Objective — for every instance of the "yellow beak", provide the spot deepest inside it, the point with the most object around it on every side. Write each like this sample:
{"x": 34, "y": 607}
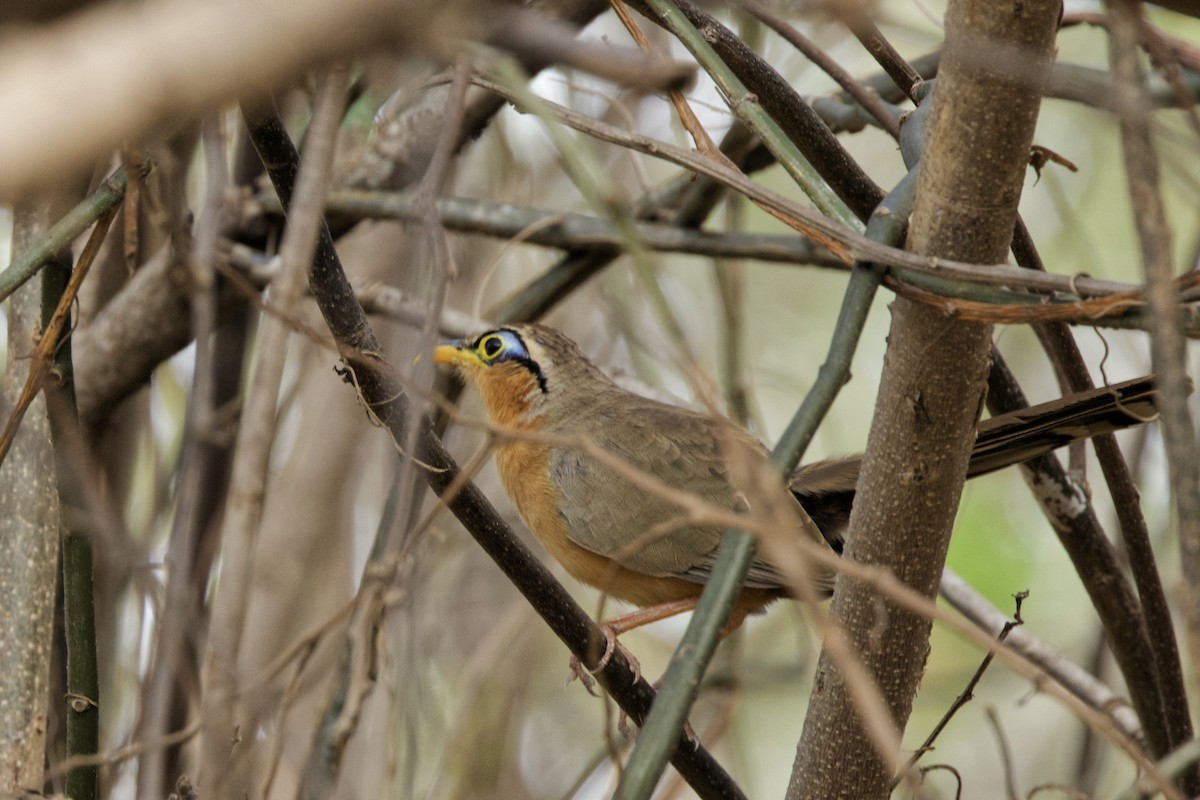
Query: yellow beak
{"x": 454, "y": 354}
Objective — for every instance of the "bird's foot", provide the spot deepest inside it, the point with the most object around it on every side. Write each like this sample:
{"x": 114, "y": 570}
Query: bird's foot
{"x": 623, "y": 726}
{"x": 611, "y": 646}
{"x": 627, "y": 734}
{"x": 579, "y": 672}
{"x": 690, "y": 733}
{"x": 688, "y": 730}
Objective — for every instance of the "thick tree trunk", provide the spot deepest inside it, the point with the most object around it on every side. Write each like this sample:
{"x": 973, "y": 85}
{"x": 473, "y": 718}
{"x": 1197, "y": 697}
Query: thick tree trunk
{"x": 985, "y": 107}
{"x": 29, "y": 519}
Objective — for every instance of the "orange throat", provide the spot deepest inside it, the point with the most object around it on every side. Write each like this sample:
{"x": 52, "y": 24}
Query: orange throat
{"x": 506, "y": 394}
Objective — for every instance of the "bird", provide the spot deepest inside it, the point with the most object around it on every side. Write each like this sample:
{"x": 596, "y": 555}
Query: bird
{"x": 610, "y": 532}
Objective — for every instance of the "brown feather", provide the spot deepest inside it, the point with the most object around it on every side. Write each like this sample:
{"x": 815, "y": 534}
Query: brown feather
{"x": 586, "y": 515}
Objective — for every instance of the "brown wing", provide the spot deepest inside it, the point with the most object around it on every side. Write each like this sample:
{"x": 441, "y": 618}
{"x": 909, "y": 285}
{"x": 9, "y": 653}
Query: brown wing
{"x": 1025, "y": 434}
{"x": 826, "y": 488}
{"x": 607, "y": 514}
{"x": 826, "y": 491}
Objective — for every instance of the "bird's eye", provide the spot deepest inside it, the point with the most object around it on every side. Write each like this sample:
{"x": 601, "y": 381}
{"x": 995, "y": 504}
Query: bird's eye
{"x": 491, "y": 347}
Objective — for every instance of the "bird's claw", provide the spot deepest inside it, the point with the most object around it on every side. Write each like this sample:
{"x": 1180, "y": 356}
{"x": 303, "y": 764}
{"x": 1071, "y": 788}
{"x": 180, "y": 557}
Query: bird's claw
{"x": 626, "y": 733}
{"x": 611, "y": 646}
{"x": 688, "y": 730}
{"x": 579, "y": 673}
{"x": 623, "y": 726}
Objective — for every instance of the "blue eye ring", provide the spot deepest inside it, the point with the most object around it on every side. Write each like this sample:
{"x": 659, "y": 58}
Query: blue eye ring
{"x": 504, "y": 345}
{"x": 499, "y": 345}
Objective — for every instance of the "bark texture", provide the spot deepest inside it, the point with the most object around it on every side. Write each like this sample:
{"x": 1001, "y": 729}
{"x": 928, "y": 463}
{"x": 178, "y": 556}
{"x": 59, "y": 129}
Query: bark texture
{"x": 933, "y": 384}
{"x": 29, "y": 518}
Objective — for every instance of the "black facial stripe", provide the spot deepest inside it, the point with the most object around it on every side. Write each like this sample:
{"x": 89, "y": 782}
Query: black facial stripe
{"x": 527, "y": 363}
{"x": 534, "y": 369}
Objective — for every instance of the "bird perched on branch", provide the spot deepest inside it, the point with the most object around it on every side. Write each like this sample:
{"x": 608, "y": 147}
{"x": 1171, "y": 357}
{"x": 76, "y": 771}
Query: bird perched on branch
{"x": 629, "y": 537}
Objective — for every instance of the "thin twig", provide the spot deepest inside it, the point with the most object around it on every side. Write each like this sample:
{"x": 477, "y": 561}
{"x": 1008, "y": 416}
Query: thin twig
{"x": 730, "y": 278}
{"x": 1167, "y": 53}
{"x": 1075, "y": 678}
{"x": 1095, "y": 706}
{"x": 599, "y": 191}
{"x": 1068, "y": 791}
{"x": 1060, "y": 345}
{"x": 439, "y": 270}
{"x": 958, "y": 782}
{"x": 43, "y": 354}
{"x": 746, "y": 106}
{"x": 968, "y": 295}
{"x": 340, "y": 718}
{"x": 967, "y": 694}
{"x": 1074, "y": 521}
{"x": 180, "y": 602}
{"x": 1167, "y": 345}
{"x": 1010, "y": 773}
{"x": 572, "y": 230}
{"x": 536, "y": 38}
{"x": 255, "y": 436}
{"x": 841, "y": 241}
{"x": 381, "y": 392}
{"x": 737, "y": 547}
{"x": 856, "y": 18}
{"x": 683, "y": 110}
{"x": 866, "y": 97}
{"x": 63, "y": 232}
{"x": 786, "y": 111}
{"x": 120, "y": 754}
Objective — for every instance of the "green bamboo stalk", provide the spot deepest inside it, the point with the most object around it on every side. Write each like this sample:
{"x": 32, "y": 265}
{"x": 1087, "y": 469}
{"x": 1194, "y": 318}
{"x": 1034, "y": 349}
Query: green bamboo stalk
{"x": 747, "y": 108}
{"x": 660, "y": 733}
{"x": 63, "y": 232}
{"x": 79, "y": 610}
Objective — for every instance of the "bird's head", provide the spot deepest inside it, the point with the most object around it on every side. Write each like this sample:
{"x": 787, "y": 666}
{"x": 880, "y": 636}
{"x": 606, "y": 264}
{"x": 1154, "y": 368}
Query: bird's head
{"x": 523, "y": 372}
